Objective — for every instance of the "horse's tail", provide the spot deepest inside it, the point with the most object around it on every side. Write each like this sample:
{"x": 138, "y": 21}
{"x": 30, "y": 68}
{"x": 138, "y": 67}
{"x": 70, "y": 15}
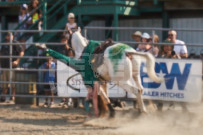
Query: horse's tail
{"x": 150, "y": 65}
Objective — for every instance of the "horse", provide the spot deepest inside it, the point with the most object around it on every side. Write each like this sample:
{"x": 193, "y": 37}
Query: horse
{"x": 121, "y": 65}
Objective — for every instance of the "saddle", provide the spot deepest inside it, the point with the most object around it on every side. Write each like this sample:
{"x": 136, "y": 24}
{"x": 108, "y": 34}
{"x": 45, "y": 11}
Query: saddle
{"x": 98, "y": 54}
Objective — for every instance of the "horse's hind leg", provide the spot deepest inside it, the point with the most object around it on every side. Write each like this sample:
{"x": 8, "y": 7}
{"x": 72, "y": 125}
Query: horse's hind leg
{"x": 136, "y": 76}
{"x": 103, "y": 95}
{"x": 129, "y": 87}
{"x": 138, "y": 94}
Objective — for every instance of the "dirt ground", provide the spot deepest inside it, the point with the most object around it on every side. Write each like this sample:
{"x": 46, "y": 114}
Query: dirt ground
{"x": 24, "y": 120}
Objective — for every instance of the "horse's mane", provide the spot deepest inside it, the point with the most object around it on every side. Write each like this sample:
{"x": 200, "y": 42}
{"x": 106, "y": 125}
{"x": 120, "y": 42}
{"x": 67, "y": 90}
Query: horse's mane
{"x": 100, "y": 49}
{"x": 98, "y": 54}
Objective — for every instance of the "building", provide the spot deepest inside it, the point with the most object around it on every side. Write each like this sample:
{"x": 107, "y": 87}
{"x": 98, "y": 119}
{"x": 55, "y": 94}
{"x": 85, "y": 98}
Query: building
{"x": 172, "y": 14}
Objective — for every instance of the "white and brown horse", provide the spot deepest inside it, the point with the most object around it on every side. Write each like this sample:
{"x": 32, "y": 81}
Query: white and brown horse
{"x": 120, "y": 68}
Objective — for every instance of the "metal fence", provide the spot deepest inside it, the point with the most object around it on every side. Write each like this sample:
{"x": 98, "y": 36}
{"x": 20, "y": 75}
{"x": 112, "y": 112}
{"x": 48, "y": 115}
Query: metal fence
{"x": 86, "y": 32}
{"x": 190, "y": 36}
{"x": 27, "y": 77}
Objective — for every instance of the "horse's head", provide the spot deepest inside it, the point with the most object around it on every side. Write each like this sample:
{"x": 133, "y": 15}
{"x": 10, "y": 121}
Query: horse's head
{"x": 78, "y": 43}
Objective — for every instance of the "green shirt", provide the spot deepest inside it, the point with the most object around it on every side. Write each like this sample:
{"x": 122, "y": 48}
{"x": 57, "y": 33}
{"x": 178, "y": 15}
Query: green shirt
{"x": 82, "y": 65}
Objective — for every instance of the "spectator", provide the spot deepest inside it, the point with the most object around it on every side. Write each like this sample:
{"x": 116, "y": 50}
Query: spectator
{"x": 145, "y": 40}
{"x": 22, "y": 17}
{"x": 167, "y": 50}
{"x": 37, "y": 14}
{"x": 5, "y": 63}
{"x": 66, "y": 49}
{"x": 49, "y": 77}
{"x": 137, "y": 37}
{"x": 70, "y": 25}
{"x": 153, "y": 49}
{"x": 179, "y": 46}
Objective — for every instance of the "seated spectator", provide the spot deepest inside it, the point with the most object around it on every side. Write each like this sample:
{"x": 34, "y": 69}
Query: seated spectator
{"x": 137, "y": 37}
{"x": 179, "y": 46}
{"x": 5, "y": 63}
{"x": 23, "y": 16}
{"x": 192, "y": 54}
{"x": 49, "y": 77}
{"x": 70, "y": 25}
{"x": 145, "y": 40}
{"x": 66, "y": 49}
{"x": 153, "y": 49}
{"x": 167, "y": 50}
{"x": 37, "y": 14}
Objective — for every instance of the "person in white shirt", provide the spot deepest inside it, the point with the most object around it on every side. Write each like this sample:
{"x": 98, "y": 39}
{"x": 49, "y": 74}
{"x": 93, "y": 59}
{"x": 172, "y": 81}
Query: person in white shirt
{"x": 70, "y": 25}
{"x": 179, "y": 46}
{"x": 24, "y": 15}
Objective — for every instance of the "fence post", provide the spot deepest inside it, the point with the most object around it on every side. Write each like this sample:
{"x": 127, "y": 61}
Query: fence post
{"x": 85, "y": 32}
{"x": 10, "y": 61}
{"x": 65, "y": 8}
{"x": 153, "y": 33}
{"x": 44, "y": 14}
{"x": 115, "y": 31}
{"x": 136, "y": 2}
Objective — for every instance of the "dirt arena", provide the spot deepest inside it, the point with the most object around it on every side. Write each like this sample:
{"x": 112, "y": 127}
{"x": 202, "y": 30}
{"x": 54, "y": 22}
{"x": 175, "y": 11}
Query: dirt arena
{"x": 24, "y": 120}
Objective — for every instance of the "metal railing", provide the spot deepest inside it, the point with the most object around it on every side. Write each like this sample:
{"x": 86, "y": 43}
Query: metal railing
{"x": 10, "y": 69}
{"x": 126, "y": 32}
{"x": 11, "y": 57}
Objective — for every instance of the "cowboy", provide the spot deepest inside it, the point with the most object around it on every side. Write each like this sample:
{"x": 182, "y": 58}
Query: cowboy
{"x": 84, "y": 67}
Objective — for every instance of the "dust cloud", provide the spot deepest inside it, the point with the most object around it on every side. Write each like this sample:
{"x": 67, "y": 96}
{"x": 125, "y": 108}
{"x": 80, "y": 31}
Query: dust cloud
{"x": 168, "y": 122}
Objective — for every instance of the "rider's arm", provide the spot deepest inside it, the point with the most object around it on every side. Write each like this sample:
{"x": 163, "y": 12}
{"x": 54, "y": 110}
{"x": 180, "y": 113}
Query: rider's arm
{"x": 77, "y": 64}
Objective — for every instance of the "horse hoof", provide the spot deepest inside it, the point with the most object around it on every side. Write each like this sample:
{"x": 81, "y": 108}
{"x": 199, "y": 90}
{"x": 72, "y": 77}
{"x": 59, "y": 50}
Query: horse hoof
{"x": 142, "y": 111}
{"x": 112, "y": 114}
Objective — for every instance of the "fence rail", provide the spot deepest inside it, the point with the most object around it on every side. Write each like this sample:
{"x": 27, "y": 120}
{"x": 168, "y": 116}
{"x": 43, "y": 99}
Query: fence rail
{"x": 141, "y": 28}
{"x": 11, "y": 69}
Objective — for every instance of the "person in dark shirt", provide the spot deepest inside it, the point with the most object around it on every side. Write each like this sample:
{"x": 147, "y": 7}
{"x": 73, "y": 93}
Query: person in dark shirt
{"x": 65, "y": 49}
{"x": 17, "y": 50}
